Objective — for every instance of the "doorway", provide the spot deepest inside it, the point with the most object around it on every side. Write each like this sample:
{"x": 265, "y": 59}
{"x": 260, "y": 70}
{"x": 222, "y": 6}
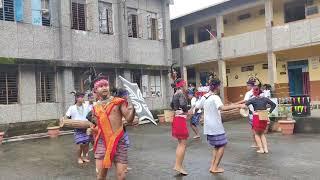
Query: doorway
{"x": 299, "y": 82}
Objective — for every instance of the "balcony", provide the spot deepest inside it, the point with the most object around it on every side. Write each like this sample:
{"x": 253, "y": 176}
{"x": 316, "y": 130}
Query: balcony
{"x": 296, "y": 34}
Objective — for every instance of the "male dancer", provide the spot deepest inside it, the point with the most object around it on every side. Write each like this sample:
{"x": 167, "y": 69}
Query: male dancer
{"x": 213, "y": 127}
{"x": 111, "y": 141}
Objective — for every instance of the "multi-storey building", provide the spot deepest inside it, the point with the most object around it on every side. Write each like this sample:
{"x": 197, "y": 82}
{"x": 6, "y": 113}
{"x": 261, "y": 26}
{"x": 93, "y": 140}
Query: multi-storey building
{"x": 277, "y": 40}
{"x": 47, "y": 45}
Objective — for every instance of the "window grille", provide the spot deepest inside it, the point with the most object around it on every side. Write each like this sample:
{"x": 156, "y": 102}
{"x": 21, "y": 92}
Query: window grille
{"x": 45, "y": 84}
{"x": 9, "y": 86}
{"x": 78, "y": 11}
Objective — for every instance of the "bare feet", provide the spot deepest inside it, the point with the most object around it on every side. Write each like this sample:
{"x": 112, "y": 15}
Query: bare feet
{"x": 86, "y": 160}
{"x": 196, "y": 137}
{"x": 181, "y": 171}
{"x": 80, "y": 161}
{"x": 217, "y": 170}
{"x": 260, "y": 151}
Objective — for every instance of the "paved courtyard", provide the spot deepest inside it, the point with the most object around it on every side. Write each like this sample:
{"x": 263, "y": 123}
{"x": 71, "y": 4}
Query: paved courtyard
{"x": 152, "y": 157}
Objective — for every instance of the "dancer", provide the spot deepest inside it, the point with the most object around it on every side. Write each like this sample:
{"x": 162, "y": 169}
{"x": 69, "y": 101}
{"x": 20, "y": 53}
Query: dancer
{"x": 196, "y": 115}
{"x": 111, "y": 141}
{"x": 213, "y": 128}
{"x": 260, "y": 103}
{"x": 179, "y": 125}
{"x": 79, "y": 111}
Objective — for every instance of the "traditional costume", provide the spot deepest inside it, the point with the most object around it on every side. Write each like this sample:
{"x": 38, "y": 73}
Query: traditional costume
{"x": 180, "y": 105}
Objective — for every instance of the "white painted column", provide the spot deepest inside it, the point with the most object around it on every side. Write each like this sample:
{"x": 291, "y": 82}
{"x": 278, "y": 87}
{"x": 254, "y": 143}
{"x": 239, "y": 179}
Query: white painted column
{"x": 221, "y": 62}
{"x": 272, "y": 61}
{"x": 93, "y": 13}
{"x": 182, "y": 36}
{"x": 185, "y": 74}
{"x": 196, "y": 35}
{"x": 220, "y": 26}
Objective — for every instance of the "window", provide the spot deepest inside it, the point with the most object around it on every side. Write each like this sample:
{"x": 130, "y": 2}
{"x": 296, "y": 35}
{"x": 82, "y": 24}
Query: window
{"x": 136, "y": 77}
{"x": 312, "y": 10}
{"x": 45, "y": 84}
{"x": 264, "y": 66}
{"x": 132, "y": 23}
{"x": 155, "y": 84}
{"x": 294, "y": 11}
{"x": 244, "y": 16}
{"x": 7, "y": 10}
{"x": 78, "y": 15}
{"x": 105, "y": 18}
{"x": 8, "y": 85}
{"x": 175, "y": 40}
{"x": 189, "y": 35}
{"x": 203, "y": 33}
{"x": 247, "y": 68}
{"x": 45, "y": 11}
{"x": 152, "y": 25}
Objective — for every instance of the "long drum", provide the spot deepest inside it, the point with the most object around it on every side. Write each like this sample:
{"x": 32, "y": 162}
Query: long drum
{"x": 70, "y": 123}
{"x": 235, "y": 114}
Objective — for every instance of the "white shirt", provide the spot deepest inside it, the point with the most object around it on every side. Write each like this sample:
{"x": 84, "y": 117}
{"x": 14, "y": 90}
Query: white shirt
{"x": 249, "y": 95}
{"x": 78, "y": 113}
{"x": 266, "y": 93}
{"x": 212, "y": 117}
{"x": 193, "y": 105}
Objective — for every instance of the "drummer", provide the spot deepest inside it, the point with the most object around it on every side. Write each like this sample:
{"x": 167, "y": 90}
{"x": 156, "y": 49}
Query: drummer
{"x": 213, "y": 128}
{"x": 79, "y": 111}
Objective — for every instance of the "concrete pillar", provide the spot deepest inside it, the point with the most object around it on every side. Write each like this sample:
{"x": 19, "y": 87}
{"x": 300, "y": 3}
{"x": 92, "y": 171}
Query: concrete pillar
{"x": 196, "y": 35}
{"x": 272, "y": 69}
{"x": 185, "y": 74}
{"x": 121, "y": 29}
{"x": 223, "y": 78}
{"x": 197, "y": 78}
{"x": 182, "y": 36}
{"x": 220, "y": 26}
{"x": 67, "y": 86}
{"x": 166, "y": 32}
{"x": 65, "y": 34}
{"x": 127, "y": 75}
{"x": 93, "y": 14}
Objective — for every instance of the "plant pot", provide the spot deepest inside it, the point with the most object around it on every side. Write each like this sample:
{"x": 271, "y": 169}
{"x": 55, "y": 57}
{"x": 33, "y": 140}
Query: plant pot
{"x": 287, "y": 126}
{"x": 161, "y": 118}
{"x": 1, "y": 137}
{"x": 54, "y": 131}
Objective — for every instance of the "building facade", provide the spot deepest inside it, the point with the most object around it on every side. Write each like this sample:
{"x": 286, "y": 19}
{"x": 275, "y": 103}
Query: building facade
{"x": 47, "y": 45}
{"x": 276, "y": 40}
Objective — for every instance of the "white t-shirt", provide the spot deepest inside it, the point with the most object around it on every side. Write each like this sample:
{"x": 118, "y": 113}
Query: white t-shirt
{"x": 266, "y": 93}
{"x": 78, "y": 113}
{"x": 212, "y": 116}
{"x": 249, "y": 95}
{"x": 193, "y": 105}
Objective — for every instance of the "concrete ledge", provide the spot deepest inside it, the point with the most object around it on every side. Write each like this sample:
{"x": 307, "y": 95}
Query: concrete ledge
{"x": 307, "y": 125}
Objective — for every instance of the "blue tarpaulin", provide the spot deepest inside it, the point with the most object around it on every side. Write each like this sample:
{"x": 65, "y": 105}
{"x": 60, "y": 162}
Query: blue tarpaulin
{"x": 19, "y": 10}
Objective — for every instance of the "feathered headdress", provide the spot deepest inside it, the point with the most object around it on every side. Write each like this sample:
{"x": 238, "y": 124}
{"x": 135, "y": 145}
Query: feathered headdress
{"x": 254, "y": 81}
{"x": 214, "y": 82}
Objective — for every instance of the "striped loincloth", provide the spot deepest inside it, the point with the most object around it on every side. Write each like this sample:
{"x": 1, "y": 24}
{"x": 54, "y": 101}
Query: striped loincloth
{"x": 81, "y": 137}
{"x": 217, "y": 140}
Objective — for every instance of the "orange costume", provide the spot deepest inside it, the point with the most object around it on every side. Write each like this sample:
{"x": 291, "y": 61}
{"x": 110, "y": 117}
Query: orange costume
{"x": 110, "y": 138}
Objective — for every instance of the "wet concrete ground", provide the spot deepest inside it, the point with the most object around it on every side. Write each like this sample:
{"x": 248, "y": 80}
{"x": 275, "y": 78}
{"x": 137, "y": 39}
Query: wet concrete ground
{"x": 152, "y": 156}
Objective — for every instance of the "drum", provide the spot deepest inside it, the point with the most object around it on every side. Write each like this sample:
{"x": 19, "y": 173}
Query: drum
{"x": 235, "y": 114}
{"x": 168, "y": 115}
{"x": 70, "y": 123}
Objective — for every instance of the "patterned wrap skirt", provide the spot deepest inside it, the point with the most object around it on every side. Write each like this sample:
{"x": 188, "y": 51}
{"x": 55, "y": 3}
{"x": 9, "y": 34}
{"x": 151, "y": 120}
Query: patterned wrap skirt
{"x": 217, "y": 141}
{"x": 179, "y": 127}
{"x": 195, "y": 120}
{"x": 258, "y": 125}
{"x": 81, "y": 136}
{"x": 121, "y": 155}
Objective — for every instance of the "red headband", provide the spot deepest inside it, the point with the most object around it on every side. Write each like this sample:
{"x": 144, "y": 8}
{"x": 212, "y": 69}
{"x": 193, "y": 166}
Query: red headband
{"x": 100, "y": 83}
{"x": 180, "y": 84}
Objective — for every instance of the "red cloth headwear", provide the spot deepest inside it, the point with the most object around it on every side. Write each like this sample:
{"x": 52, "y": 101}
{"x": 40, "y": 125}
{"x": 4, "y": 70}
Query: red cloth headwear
{"x": 180, "y": 83}
{"x": 256, "y": 91}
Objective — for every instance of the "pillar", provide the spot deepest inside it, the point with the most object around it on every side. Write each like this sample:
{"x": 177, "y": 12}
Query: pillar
{"x": 121, "y": 29}
{"x": 272, "y": 67}
{"x": 197, "y": 78}
{"x": 220, "y": 26}
{"x": 127, "y": 75}
{"x": 223, "y": 79}
{"x": 185, "y": 74}
{"x": 196, "y": 34}
{"x": 93, "y": 13}
{"x": 182, "y": 36}
{"x": 67, "y": 86}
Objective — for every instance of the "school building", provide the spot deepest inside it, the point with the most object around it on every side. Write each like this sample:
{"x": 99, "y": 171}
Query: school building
{"x": 47, "y": 45}
{"x": 276, "y": 40}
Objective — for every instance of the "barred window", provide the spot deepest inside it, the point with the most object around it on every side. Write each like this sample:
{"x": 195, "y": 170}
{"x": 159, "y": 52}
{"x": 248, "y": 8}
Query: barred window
{"x": 155, "y": 84}
{"x": 8, "y": 85}
{"x": 7, "y": 10}
{"x": 78, "y": 10}
{"x": 152, "y": 25}
{"x": 45, "y": 84}
{"x": 132, "y": 23}
{"x": 105, "y": 18}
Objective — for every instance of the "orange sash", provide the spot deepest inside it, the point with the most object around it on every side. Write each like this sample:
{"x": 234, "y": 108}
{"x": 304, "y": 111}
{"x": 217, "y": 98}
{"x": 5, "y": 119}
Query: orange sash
{"x": 110, "y": 137}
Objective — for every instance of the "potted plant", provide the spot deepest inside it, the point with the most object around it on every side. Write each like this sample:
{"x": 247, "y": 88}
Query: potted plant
{"x": 287, "y": 125}
{"x": 53, "y": 129}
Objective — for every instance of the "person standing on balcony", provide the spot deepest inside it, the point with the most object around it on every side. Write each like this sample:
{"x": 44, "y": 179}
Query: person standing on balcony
{"x": 179, "y": 125}
{"x": 260, "y": 104}
{"x": 213, "y": 127}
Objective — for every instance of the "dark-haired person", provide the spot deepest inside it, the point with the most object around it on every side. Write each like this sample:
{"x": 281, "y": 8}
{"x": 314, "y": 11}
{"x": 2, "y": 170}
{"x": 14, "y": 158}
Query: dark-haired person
{"x": 179, "y": 125}
{"x": 260, "y": 103}
{"x": 79, "y": 111}
{"x": 213, "y": 127}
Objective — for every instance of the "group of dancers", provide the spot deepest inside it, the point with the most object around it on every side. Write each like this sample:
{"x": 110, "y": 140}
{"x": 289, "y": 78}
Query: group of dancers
{"x": 256, "y": 100}
{"x": 108, "y": 134}
{"x": 110, "y": 139}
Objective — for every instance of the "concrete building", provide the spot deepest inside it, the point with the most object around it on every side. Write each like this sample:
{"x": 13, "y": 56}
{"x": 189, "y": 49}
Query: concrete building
{"x": 46, "y": 45}
{"x": 276, "y": 40}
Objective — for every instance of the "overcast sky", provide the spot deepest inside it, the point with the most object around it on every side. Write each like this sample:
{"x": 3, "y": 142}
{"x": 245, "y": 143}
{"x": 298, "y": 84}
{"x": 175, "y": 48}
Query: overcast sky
{"x": 182, "y": 7}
